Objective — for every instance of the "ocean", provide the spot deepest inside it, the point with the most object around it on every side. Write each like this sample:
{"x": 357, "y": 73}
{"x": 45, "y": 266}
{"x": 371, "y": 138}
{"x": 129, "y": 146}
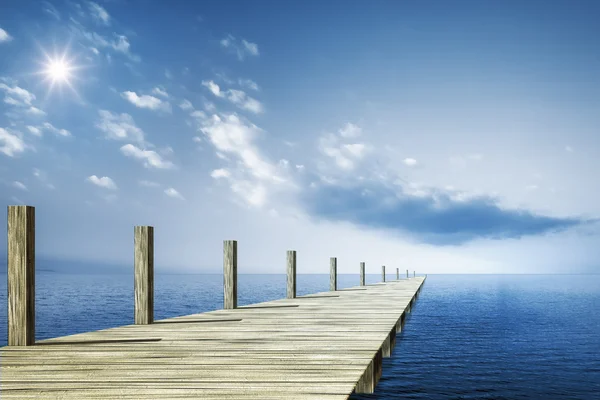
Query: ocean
{"x": 468, "y": 337}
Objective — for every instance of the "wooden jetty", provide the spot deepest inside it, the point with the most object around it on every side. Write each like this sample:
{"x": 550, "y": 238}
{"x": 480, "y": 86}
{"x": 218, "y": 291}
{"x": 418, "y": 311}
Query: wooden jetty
{"x": 319, "y": 346}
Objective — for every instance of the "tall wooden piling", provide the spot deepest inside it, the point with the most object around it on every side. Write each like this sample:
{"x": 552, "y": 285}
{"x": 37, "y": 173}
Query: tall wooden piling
{"x": 414, "y": 274}
{"x": 291, "y": 274}
{"x": 333, "y": 273}
{"x": 21, "y": 275}
{"x": 143, "y": 274}
{"x": 229, "y": 274}
{"x": 383, "y": 273}
{"x": 362, "y": 274}
{"x": 397, "y": 273}
{"x": 406, "y": 274}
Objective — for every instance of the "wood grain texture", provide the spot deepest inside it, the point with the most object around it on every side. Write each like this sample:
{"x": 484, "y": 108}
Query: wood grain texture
{"x": 229, "y": 274}
{"x": 319, "y": 346}
{"x": 362, "y": 274}
{"x": 333, "y": 274}
{"x": 143, "y": 274}
{"x": 291, "y": 274}
{"x": 21, "y": 275}
{"x": 383, "y": 273}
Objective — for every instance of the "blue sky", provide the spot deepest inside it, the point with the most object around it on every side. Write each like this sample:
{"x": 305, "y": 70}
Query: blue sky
{"x": 438, "y": 136}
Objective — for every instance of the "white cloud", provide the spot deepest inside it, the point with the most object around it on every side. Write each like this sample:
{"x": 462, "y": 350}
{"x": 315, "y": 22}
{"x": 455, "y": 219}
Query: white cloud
{"x": 356, "y": 149}
{"x": 99, "y": 13}
{"x": 61, "y": 132}
{"x": 17, "y": 96}
{"x": 410, "y": 162}
{"x": 4, "y": 36}
{"x": 119, "y": 127}
{"x": 243, "y": 101}
{"x": 186, "y": 105}
{"x": 104, "y": 182}
{"x": 50, "y": 9}
{"x": 19, "y": 185}
{"x": 213, "y": 87}
{"x": 220, "y": 173}
{"x": 254, "y": 194}
{"x": 230, "y": 134}
{"x": 201, "y": 115}
{"x": 160, "y": 92}
{"x": 251, "y": 48}
{"x": 350, "y": 130}
{"x": 10, "y": 144}
{"x": 251, "y": 176}
{"x": 248, "y": 83}
{"x": 149, "y": 158}
{"x": 345, "y": 155}
{"x": 35, "y": 111}
{"x": 119, "y": 44}
{"x": 241, "y": 48}
{"x": 34, "y": 130}
{"x": 237, "y": 97}
{"x": 173, "y": 193}
{"x": 146, "y": 101}
{"x": 146, "y": 183}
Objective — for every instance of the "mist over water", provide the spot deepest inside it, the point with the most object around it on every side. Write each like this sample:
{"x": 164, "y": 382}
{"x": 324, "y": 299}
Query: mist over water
{"x": 468, "y": 337}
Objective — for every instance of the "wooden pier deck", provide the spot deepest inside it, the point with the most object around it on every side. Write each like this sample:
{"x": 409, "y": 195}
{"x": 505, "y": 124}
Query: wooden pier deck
{"x": 320, "y": 346}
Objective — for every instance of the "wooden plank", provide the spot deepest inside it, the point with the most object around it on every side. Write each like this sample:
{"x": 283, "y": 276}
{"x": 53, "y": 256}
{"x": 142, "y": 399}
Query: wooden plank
{"x": 21, "y": 275}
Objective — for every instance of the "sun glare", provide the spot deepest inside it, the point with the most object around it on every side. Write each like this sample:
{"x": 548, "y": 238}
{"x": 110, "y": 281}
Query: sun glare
{"x": 58, "y": 70}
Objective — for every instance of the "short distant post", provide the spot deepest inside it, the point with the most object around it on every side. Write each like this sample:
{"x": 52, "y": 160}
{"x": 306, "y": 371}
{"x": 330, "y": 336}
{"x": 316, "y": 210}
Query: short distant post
{"x": 383, "y": 273}
{"x": 291, "y": 274}
{"x": 143, "y": 265}
{"x": 333, "y": 273}
{"x": 362, "y": 274}
{"x": 414, "y": 274}
{"x": 21, "y": 275}
{"x": 406, "y": 274}
{"x": 397, "y": 274}
{"x": 229, "y": 274}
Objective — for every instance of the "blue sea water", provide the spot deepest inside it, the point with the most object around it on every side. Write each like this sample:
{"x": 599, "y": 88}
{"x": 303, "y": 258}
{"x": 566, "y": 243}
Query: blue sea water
{"x": 468, "y": 337}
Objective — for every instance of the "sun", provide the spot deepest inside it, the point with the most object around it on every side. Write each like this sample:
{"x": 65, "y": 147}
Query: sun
{"x": 58, "y": 70}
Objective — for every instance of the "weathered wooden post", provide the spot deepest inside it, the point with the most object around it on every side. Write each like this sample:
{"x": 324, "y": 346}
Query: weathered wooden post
{"x": 397, "y": 274}
{"x": 143, "y": 260}
{"x": 383, "y": 273}
{"x": 362, "y": 274}
{"x": 406, "y": 274}
{"x": 21, "y": 275}
{"x": 291, "y": 274}
{"x": 229, "y": 274}
{"x": 333, "y": 273}
{"x": 414, "y": 274}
